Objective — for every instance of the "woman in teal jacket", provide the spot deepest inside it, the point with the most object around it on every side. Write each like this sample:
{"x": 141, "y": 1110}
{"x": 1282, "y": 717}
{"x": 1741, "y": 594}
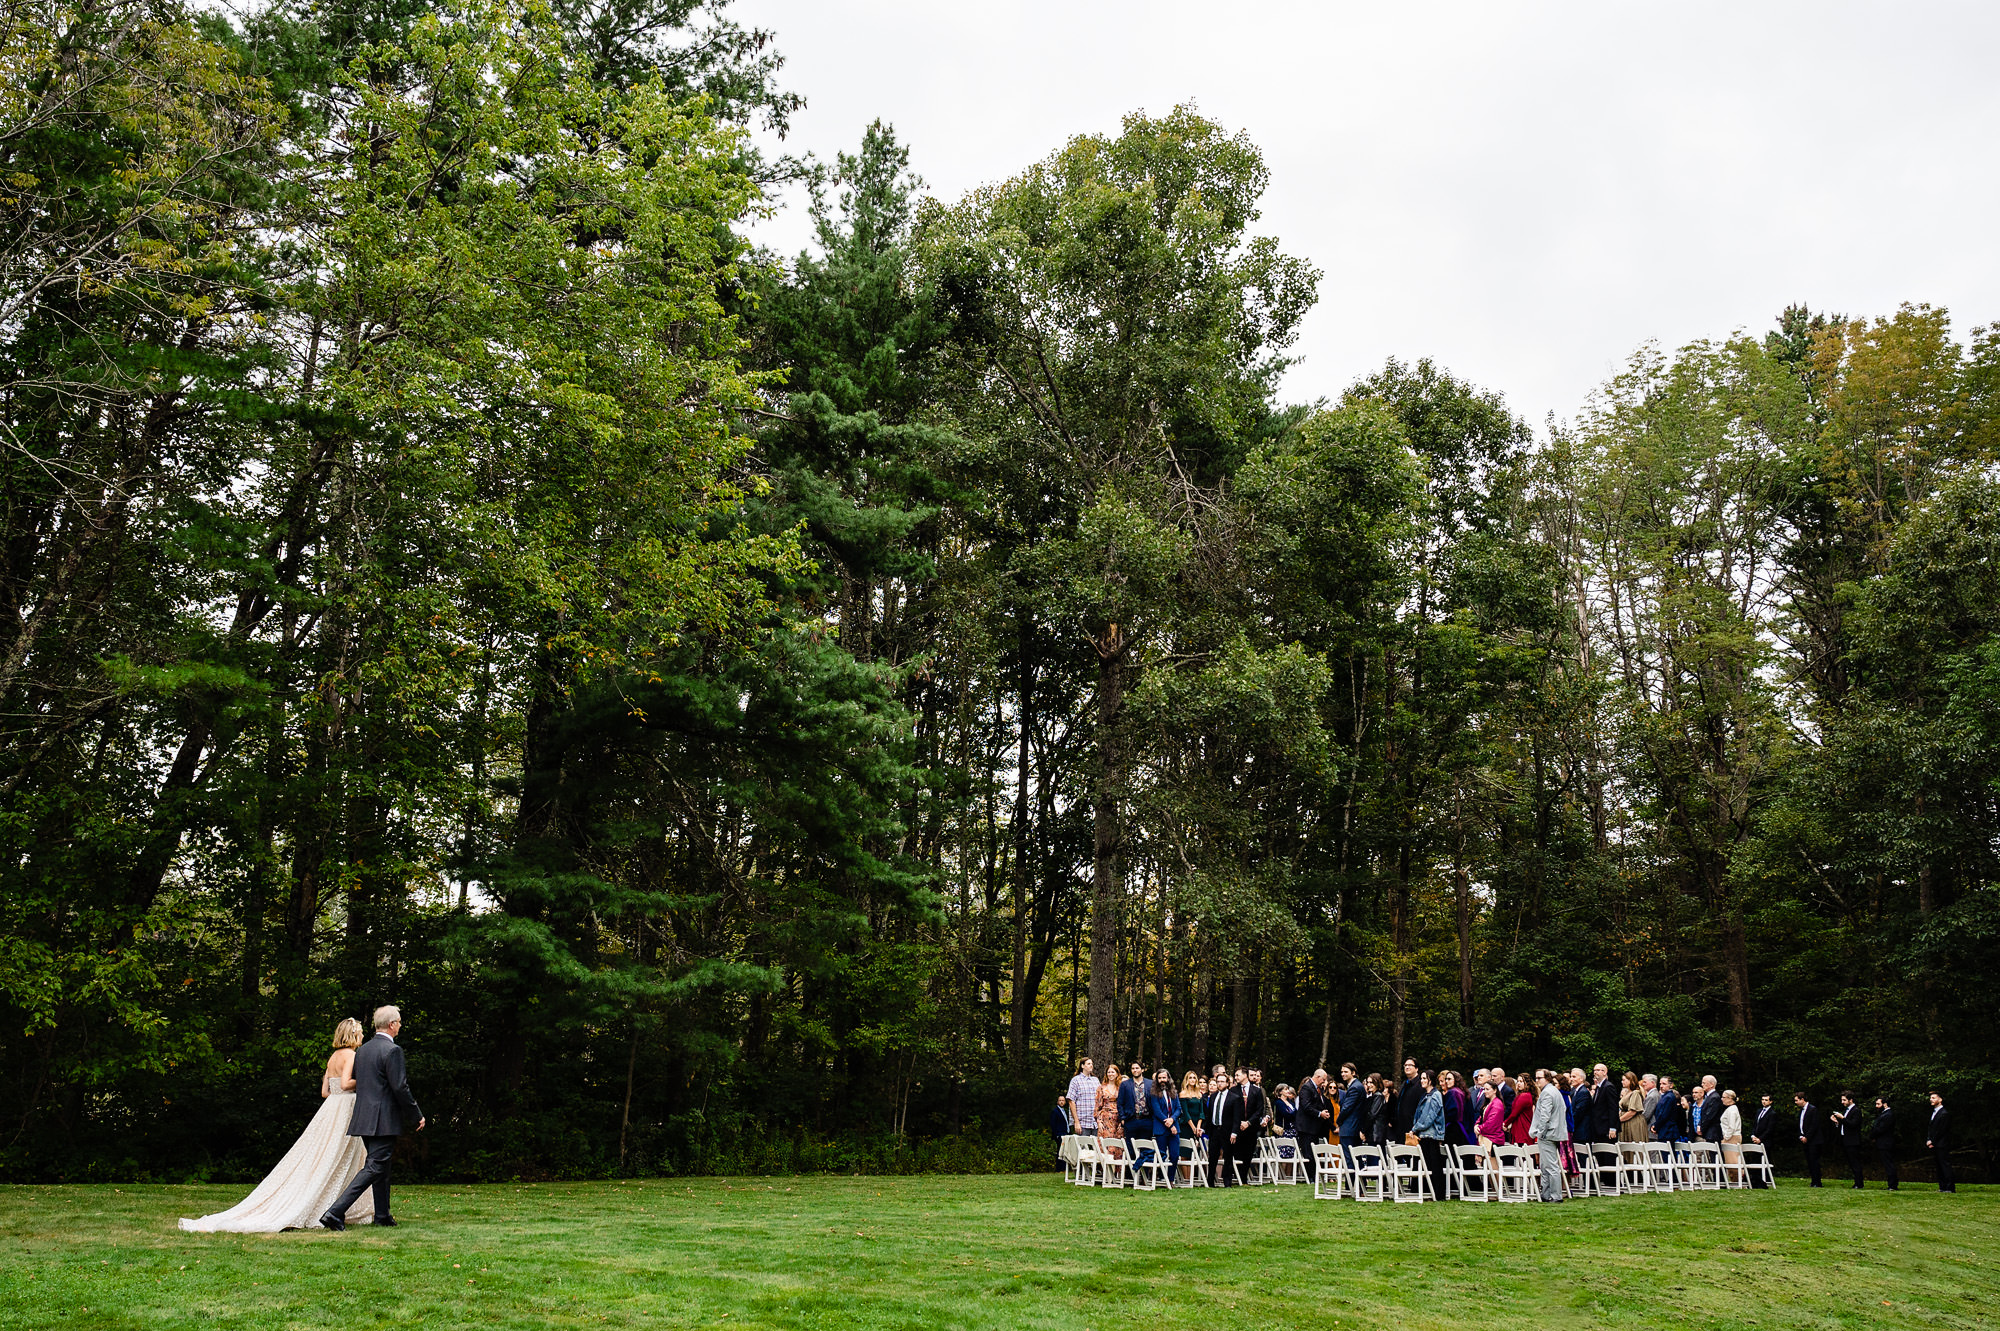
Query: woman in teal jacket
{"x": 1429, "y": 1127}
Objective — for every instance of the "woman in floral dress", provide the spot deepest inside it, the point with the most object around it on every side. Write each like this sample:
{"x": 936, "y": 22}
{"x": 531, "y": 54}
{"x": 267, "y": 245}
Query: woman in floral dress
{"x": 1110, "y": 1134}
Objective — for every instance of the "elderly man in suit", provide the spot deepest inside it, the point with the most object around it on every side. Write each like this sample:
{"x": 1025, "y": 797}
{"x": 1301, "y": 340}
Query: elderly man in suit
{"x": 1549, "y": 1128}
{"x": 1315, "y": 1117}
{"x": 1937, "y": 1136}
{"x": 382, "y": 1105}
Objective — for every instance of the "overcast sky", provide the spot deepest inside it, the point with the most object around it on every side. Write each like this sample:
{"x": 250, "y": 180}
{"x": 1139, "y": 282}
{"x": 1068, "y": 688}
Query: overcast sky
{"x": 1523, "y": 192}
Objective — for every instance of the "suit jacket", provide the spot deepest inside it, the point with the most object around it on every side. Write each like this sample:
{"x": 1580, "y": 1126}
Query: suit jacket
{"x": 1551, "y": 1123}
{"x": 1225, "y": 1111}
{"x": 1256, "y": 1104}
{"x": 1585, "y": 1126}
{"x": 383, "y": 1105}
{"x": 1604, "y": 1109}
{"x": 1059, "y": 1124}
{"x": 1767, "y": 1125}
{"x": 1408, "y": 1097}
{"x": 1938, "y": 1130}
{"x": 1128, "y": 1103}
{"x": 1814, "y": 1130}
{"x": 1667, "y": 1117}
{"x": 1851, "y": 1131}
{"x": 1884, "y": 1131}
{"x": 1311, "y": 1101}
{"x": 1352, "y": 1097}
{"x": 1711, "y": 1118}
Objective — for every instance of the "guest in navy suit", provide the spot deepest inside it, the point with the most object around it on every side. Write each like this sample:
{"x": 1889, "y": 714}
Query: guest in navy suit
{"x": 1059, "y": 1122}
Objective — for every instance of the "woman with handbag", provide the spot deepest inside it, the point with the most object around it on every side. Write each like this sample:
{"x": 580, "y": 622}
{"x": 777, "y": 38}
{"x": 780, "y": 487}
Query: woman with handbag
{"x": 1428, "y": 1129}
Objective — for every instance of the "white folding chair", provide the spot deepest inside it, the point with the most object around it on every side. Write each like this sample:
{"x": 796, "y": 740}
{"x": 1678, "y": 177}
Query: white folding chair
{"x": 1194, "y": 1159}
{"x": 1600, "y": 1165}
{"x": 1660, "y": 1170}
{"x": 1291, "y": 1161}
{"x": 1113, "y": 1169}
{"x": 1368, "y": 1175}
{"x": 1088, "y": 1158}
{"x": 1476, "y": 1178}
{"x": 1329, "y": 1171}
{"x": 1520, "y": 1173}
{"x": 1632, "y": 1174}
{"x": 1707, "y": 1166}
{"x": 1734, "y": 1175}
{"x": 1453, "y": 1173}
{"x": 1757, "y": 1164}
{"x": 1150, "y": 1169}
{"x": 1066, "y": 1152}
{"x": 1409, "y": 1176}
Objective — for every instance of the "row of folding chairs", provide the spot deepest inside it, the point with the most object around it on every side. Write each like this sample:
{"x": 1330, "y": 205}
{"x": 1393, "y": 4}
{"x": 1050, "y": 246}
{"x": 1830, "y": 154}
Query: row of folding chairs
{"x": 1093, "y": 1162}
{"x": 1513, "y": 1173}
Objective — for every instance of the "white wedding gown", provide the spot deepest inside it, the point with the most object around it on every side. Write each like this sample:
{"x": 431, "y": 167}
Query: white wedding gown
{"x": 311, "y": 1177}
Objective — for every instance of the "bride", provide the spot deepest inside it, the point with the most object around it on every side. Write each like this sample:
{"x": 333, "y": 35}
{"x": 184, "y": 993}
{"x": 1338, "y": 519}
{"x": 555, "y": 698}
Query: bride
{"x": 319, "y": 1165}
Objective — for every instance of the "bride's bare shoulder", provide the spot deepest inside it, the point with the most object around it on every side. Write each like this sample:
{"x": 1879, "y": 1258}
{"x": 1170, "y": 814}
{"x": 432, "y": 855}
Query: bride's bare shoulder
{"x": 340, "y": 1061}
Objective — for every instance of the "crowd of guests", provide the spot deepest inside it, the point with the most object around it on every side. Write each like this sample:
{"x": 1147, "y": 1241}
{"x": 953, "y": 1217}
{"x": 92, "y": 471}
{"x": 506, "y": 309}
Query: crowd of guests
{"x": 1554, "y": 1112}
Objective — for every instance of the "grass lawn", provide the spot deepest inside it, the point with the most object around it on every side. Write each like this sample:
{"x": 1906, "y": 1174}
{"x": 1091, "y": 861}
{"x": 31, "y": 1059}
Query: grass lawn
{"x": 1015, "y": 1251}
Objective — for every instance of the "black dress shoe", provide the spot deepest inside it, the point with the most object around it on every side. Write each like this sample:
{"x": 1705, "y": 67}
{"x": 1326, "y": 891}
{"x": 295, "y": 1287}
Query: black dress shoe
{"x": 382, "y": 1220}
{"x": 333, "y": 1222}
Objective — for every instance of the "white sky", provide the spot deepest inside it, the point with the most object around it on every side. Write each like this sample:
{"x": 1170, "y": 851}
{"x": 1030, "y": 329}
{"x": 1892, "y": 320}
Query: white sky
{"x": 1524, "y": 192}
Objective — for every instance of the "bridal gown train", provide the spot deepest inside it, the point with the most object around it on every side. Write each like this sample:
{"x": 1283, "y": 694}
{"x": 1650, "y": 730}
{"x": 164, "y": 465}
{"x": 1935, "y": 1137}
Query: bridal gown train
{"x": 306, "y": 1182}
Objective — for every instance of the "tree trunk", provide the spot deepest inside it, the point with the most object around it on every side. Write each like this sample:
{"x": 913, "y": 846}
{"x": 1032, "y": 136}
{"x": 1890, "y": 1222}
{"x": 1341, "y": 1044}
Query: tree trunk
{"x": 1018, "y": 1036}
{"x": 1106, "y": 862}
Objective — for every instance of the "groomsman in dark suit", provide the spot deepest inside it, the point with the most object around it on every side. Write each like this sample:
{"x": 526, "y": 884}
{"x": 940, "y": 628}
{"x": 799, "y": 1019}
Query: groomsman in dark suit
{"x": 1884, "y": 1133}
{"x": 1812, "y": 1132}
{"x": 1059, "y": 1124}
{"x": 1225, "y": 1110}
{"x": 1765, "y": 1134}
{"x": 1937, "y": 1136}
{"x": 1256, "y": 1112}
{"x": 1848, "y": 1117}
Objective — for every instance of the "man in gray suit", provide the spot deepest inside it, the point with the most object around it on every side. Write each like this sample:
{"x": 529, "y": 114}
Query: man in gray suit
{"x": 1549, "y": 1127}
{"x": 382, "y": 1103}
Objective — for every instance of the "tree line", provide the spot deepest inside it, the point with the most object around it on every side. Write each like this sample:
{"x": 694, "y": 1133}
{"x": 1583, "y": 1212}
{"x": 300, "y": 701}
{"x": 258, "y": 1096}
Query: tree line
{"x": 748, "y": 708}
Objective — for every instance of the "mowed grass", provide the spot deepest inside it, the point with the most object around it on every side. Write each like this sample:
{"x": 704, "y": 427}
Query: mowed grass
{"x": 1004, "y": 1252}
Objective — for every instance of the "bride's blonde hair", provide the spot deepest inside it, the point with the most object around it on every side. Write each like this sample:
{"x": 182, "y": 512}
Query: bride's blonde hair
{"x": 347, "y": 1035}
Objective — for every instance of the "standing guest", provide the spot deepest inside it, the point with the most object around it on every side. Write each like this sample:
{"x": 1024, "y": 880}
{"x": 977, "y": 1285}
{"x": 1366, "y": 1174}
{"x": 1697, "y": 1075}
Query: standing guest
{"x": 1581, "y": 1128}
{"x": 1135, "y": 1110}
{"x": 1353, "y": 1118}
{"x": 1848, "y": 1118}
{"x": 1480, "y": 1092}
{"x": 1269, "y": 1114}
{"x": 1107, "y": 1113}
{"x": 1224, "y": 1108}
{"x": 1884, "y": 1133}
{"x": 1711, "y": 1111}
{"x": 1631, "y": 1109}
{"x": 1493, "y": 1119}
{"x": 1550, "y": 1129}
{"x": 1167, "y": 1123}
{"x": 1604, "y": 1104}
{"x": 1732, "y": 1136}
{"x": 1503, "y": 1086}
{"x": 1285, "y": 1110}
{"x": 1061, "y": 1124}
{"x": 1083, "y": 1097}
{"x": 1520, "y": 1117}
{"x": 1937, "y": 1137}
{"x": 1811, "y": 1134}
{"x": 1408, "y": 1097}
{"x": 1455, "y": 1111}
{"x": 1667, "y": 1113}
{"x": 1254, "y": 1108}
{"x": 1691, "y": 1105}
{"x": 1429, "y": 1127}
{"x": 1649, "y": 1088}
{"x": 1315, "y": 1117}
{"x": 1190, "y": 1125}
{"x": 1765, "y": 1134}
{"x": 1375, "y": 1120}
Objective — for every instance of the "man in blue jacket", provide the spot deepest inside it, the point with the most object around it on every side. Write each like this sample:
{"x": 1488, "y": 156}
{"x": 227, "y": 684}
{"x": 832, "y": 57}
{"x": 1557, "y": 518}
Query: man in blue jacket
{"x": 1135, "y": 1113}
